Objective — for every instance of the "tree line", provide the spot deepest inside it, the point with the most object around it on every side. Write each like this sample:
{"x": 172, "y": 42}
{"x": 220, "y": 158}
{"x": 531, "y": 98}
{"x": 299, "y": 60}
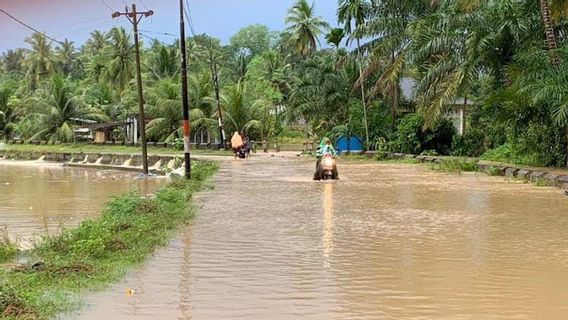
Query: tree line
{"x": 503, "y": 59}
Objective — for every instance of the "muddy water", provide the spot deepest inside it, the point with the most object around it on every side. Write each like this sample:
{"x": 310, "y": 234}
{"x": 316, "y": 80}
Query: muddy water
{"x": 38, "y": 198}
{"x": 386, "y": 242}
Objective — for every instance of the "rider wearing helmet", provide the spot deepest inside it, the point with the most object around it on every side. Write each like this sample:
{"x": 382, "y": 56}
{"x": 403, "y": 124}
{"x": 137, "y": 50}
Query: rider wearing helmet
{"x": 324, "y": 148}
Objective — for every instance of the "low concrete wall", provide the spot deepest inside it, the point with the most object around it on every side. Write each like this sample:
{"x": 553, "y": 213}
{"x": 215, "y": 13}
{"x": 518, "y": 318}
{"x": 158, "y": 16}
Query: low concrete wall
{"x": 124, "y": 162}
{"x": 517, "y": 172}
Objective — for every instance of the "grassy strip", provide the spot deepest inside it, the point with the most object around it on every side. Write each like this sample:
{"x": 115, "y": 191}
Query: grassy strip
{"x": 91, "y": 148}
{"x": 456, "y": 165}
{"x": 400, "y": 161}
{"x": 99, "y": 251}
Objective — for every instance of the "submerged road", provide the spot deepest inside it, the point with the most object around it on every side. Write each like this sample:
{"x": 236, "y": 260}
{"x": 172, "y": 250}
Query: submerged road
{"x": 388, "y": 241}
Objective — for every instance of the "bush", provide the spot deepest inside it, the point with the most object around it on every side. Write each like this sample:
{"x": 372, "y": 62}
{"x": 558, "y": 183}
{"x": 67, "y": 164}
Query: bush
{"x": 456, "y": 166}
{"x": 412, "y": 138}
{"x": 471, "y": 144}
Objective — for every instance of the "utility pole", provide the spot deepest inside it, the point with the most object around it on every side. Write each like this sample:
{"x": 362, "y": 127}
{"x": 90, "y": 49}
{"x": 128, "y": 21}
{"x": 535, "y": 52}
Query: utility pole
{"x": 215, "y": 75}
{"x": 134, "y": 17}
{"x": 184, "y": 94}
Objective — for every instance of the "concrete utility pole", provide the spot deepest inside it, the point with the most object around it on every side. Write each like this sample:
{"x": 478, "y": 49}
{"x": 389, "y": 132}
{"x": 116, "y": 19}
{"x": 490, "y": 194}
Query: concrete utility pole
{"x": 184, "y": 94}
{"x": 134, "y": 17}
{"x": 215, "y": 75}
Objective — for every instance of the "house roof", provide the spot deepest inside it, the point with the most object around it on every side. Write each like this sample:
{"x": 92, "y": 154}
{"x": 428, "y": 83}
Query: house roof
{"x": 408, "y": 88}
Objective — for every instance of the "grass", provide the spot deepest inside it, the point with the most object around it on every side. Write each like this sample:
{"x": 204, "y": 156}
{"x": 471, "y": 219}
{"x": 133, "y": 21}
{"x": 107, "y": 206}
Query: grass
{"x": 99, "y": 251}
{"x": 401, "y": 161}
{"x": 456, "y": 165}
{"x": 543, "y": 183}
{"x": 91, "y": 148}
{"x": 8, "y": 249}
{"x": 493, "y": 171}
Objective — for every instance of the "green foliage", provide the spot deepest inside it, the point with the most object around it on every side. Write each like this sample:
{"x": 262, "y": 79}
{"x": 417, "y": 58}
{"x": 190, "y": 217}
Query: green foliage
{"x": 413, "y": 139}
{"x": 471, "y": 144}
{"x": 8, "y": 249}
{"x": 456, "y": 165}
{"x": 252, "y": 40}
{"x": 304, "y": 27}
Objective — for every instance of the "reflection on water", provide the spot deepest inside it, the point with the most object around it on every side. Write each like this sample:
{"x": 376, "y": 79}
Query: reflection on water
{"x": 327, "y": 233}
{"x": 39, "y": 198}
{"x": 386, "y": 242}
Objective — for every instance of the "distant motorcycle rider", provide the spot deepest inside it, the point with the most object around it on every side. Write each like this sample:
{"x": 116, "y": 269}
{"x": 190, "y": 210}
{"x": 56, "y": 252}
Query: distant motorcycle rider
{"x": 325, "y": 147}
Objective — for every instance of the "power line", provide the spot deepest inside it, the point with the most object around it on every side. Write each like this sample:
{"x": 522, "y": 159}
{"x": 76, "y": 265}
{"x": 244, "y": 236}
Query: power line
{"x": 29, "y": 27}
{"x": 187, "y": 11}
{"x": 144, "y": 5}
{"x": 162, "y": 33}
{"x": 82, "y": 26}
{"x": 106, "y": 5}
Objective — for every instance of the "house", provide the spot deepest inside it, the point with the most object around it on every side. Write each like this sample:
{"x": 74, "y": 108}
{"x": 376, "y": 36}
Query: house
{"x": 89, "y": 130}
{"x": 457, "y": 109}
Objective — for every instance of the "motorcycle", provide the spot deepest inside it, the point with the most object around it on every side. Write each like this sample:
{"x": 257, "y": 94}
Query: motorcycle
{"x": 327, "y": 169}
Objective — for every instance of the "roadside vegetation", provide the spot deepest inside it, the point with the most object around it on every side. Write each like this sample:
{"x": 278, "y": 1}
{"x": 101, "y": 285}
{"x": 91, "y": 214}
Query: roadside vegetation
{"x": 391, "y": 74}
{"x": 96, "y": 253}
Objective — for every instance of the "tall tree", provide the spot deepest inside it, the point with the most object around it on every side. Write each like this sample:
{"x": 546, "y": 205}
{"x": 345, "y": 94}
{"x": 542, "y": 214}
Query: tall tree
{"x": 352, "y": 13}
{"x": 305, "y": 27}
{"x": 164, "y": 62}
{"x": 40, "y": 59}
{"x": 120, "y": 67}
{"x": 7, "y": 109}
{"x": 65, "y": 57}
{"x": 13, "y": 60}
{"x": 335, "y": 37}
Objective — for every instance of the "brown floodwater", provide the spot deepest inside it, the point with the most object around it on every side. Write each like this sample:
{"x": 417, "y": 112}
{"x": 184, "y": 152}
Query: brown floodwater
{"x": 39, "y": 198}
{"x": 388, "y": 241}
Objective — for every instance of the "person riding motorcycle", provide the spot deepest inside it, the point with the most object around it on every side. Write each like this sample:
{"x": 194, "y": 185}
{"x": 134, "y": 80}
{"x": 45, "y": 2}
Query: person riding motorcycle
{"x": 325, "y": 148}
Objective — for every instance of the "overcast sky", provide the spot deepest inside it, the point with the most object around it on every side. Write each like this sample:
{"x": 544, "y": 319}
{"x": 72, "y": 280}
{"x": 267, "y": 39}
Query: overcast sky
{"x": 76, "y": 19}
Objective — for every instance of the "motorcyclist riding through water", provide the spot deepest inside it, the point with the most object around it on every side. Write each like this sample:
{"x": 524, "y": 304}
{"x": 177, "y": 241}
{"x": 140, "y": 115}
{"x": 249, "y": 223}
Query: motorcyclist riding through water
{"x": 325, "y": 150}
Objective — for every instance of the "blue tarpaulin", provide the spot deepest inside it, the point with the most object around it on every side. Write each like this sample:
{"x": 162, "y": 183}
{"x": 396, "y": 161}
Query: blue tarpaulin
{"x": 344, "y": 144}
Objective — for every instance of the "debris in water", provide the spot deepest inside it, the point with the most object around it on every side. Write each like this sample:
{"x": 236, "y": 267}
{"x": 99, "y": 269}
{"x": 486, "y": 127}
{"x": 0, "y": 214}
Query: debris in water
{"x": 566, "y": 193}
{"x": 31, "y": 208}
{"x": 7, "y": 183}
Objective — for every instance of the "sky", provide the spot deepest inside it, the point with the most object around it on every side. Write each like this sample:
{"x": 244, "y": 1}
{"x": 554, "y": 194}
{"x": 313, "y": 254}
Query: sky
{"x": 76, "y": 19}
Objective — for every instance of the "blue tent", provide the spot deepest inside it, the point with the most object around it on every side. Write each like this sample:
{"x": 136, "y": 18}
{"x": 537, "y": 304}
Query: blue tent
{"x": 345, "y": 144}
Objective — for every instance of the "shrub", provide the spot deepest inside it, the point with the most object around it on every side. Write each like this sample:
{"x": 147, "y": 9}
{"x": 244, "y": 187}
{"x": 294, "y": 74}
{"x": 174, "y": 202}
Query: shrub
{"x": 412, "y": 138}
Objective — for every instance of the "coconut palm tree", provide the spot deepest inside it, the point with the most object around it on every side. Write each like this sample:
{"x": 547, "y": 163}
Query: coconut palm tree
{"x": 96, "y": 42}
{"x": 39, "y": 60}
{"x": 335, "y": 37}
{"x": 352, "y": 13}
{"x": 164, "y": 106}
{"x": 387, "y": 27}
{"x": 164, "y": 62}
{"x": 305, "y": 27}
{"x": 120, "y": 65}
{"x": 13, "y": 61}
{"x": 65, "y": 57}
{"x": 242, "y": 112}
{"x": 56, "y": 110}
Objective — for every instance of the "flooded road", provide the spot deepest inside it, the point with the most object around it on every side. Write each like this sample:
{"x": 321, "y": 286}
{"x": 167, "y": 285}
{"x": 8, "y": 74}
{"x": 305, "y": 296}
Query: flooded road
{"x": 39, "y": 198}
{"x": 388, "y": 241}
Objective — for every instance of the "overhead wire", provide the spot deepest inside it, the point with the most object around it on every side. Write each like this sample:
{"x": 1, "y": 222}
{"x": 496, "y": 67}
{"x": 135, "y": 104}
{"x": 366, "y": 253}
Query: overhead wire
{"x": 81, "y": 25}
{"x": 107, "y": 5}
{"x": 161, "y": 33}
{"x": 144, "y": 5}
{"x": 187, "y": 12}
{"x": 29, "y": 27}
